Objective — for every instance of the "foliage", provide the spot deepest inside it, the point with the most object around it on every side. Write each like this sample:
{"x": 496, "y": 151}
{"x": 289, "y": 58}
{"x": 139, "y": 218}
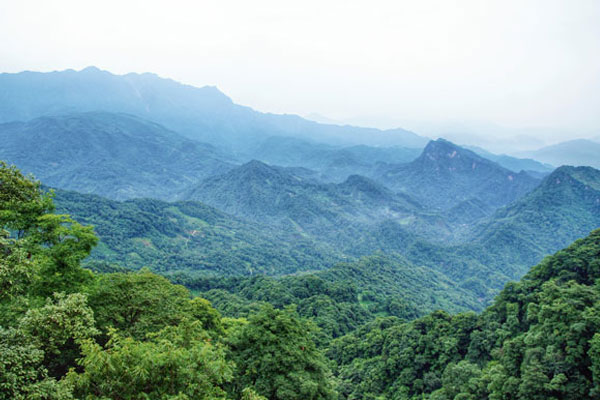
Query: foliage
{"x": 190, "y": 237}
{"x": 178, "y": 362}
{"x": 275, "y": 353}
{"x": 537, "y": 341}
{"x": 69, "y": 333}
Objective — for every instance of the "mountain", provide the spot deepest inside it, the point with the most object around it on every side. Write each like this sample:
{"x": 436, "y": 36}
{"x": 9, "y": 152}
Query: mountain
{"x": 333, "y": 163}
{"x": 446, "y": 175}
{"x": 580, "y": 152}
{"x": 278, "y": 196}
{"x": 565, "y": 206}
{"x": 117, "y": 155}
{"x": 204, "y": 114}
{"x": 189, "y": 237}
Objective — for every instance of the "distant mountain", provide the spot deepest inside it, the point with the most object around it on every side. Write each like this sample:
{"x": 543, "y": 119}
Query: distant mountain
{"x": 580, "y": 152}
{"x": 117, "y": 155}
{"x": 333, "y": 163}
{"x": 565, "y": 206}
{"x": 446, "y": 175}
{"x": 513, "y": 163}
{"x": 190, "y": 237}
{"x": 204, "y": 113}
{"x": 277, "y": 195}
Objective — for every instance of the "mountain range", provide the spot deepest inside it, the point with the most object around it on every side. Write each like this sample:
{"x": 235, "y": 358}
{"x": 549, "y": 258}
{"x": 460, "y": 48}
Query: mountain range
{"x": 204, "y": 114}
{"x": 183, "y": 180}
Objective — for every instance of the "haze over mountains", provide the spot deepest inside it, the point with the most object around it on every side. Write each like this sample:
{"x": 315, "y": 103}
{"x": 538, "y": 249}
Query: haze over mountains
{"x": 204, "y": 113}
{"x": 278, "y": 194}
{"x": 579, "y": 152}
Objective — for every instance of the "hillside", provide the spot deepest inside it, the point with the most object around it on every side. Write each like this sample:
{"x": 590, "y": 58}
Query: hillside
{"x": 513, "y": 163}
{"x": 446, "y": 175}
{"x": 116, "y": 155}
{"x": 361, "y": 290}
{"x": 70, "y": 333}
{"x": 538, "y": 340}
{"x": 204, "y": 114}
{"x": 276, "y": 195}
{"x": 565, "y": 206}
{"x": 189, "y": 237}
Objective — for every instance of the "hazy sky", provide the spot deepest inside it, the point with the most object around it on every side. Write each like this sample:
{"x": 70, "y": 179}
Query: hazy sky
{"x": 482, "y": 67}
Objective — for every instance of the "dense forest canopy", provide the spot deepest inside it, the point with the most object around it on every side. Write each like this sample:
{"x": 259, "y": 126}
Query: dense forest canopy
{"x": 66, "y": 332}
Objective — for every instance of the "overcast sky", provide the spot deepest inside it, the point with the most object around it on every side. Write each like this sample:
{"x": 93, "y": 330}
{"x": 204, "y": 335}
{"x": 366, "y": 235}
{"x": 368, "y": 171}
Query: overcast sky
{"x": 479, "y": 67}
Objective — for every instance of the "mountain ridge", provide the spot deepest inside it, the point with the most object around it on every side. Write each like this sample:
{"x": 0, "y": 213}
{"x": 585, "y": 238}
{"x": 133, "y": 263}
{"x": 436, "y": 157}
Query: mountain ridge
{"x": 118, "y": 155}
{"x": 205, "y": 113}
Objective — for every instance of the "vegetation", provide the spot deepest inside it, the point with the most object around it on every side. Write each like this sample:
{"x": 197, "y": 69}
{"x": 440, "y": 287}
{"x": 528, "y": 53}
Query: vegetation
{"x": 67, "y": 333}
{"x": 189, "y": 237}
{"x": 117, "y": 155}
{"x": 455, "y": 175}
{"x": 537, "y": 341}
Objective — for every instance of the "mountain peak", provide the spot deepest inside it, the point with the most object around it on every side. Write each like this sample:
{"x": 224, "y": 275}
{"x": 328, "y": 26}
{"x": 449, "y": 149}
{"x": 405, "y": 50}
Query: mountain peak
{"x": 567, "y": 174}
{"x": 257, "y": 166}
{"x": 91, "y": 69}
{"x": 442, "y": 154}
{"x": 443, "y": 149}
{"x": 258, "y": 171}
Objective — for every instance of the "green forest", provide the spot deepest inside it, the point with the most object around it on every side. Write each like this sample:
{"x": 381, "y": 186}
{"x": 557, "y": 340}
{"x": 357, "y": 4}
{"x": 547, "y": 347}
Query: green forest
{"x": 69, "y": 333}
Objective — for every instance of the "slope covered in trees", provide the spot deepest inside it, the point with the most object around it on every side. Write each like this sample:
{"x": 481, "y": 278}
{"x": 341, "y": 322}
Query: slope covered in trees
{"x": 278, "y": 196}
{"x": 116, "y": 155}
{"x": 68, "y": 333}
{"x": 190, "y": 237}
{"x": 538, "y": 340}
{"x": 565, "y": 206}
{"x": 332, "y": 163}
{"x": 296, "y": 227}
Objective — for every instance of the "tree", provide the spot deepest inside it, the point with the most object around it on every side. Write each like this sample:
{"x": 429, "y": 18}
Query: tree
{"x": 137, "y": 303}
{"x": 22, "y": 373}
{"x": 58, "y": 329}
{"x": 275, "y": 354}
{"x": 40, "y": 252}
{"x": 178, "y": 362}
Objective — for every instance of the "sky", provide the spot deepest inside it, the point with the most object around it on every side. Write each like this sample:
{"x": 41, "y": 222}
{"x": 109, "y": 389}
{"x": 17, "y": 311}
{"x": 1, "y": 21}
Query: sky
{"x": 484, "y": 71}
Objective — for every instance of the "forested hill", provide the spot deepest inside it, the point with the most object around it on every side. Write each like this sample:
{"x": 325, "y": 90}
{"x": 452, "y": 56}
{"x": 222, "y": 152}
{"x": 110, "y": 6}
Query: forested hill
{"x": 67, "y": 333}
{"x": 445, "y": 176}
{"x": 565, "y": 206}
{"x": 190, "y": 237}
{"x": 117, "y": 155}
{"x": 332, "y": 163}
{"x": 292, "y": 224}
{"x": 538, "y": 340}
{"x": 279, "y": 196}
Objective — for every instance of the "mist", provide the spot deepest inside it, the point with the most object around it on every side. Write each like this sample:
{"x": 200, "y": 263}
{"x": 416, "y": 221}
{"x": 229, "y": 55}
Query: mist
{"x": 501, "y": 74}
